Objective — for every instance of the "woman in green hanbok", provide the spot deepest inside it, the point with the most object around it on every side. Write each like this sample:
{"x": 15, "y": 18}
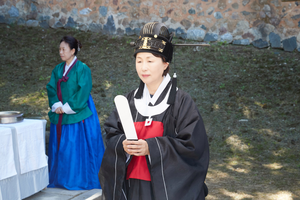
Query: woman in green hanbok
{"x": 75, "y": 146}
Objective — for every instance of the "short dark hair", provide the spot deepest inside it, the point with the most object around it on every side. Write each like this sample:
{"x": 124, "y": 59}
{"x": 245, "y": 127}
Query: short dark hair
{"x": 72, "y": 42}
{"x": 164, "y": 60}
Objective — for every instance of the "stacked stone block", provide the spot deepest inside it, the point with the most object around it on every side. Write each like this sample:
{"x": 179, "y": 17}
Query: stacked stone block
{"x": 262, "y": 23}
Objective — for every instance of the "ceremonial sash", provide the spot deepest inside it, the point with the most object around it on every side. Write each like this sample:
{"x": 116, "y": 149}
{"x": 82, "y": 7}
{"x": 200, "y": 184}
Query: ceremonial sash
{"x": 59, "y": 95}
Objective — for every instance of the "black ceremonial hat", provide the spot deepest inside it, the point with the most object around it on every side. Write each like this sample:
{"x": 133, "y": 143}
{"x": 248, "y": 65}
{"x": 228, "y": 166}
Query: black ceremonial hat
{"x": 155, "y": 38}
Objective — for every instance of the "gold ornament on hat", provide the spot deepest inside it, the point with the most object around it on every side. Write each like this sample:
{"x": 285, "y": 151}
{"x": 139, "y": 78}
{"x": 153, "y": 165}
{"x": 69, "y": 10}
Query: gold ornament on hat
{"x": 145, "y": 44}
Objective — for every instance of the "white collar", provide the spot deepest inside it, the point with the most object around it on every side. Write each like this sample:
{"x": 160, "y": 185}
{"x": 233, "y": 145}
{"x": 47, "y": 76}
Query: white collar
{"x": 68, "y": 66}
{"x": 142, "y": 104}
{"x": 160, "y": 89}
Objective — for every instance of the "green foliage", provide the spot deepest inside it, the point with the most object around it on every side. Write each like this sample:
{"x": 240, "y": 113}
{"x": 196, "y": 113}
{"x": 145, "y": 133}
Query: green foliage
{"x": 222, "y": 43}
{"x": 222, "y": 86}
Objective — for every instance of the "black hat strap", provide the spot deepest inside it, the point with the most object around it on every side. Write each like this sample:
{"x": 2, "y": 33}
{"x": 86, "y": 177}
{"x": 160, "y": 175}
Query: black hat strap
{"x": 171, "y": 99}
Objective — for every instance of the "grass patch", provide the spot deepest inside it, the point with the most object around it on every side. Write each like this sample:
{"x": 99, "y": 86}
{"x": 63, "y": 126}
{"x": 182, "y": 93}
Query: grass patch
{"x": 248, "y": 98}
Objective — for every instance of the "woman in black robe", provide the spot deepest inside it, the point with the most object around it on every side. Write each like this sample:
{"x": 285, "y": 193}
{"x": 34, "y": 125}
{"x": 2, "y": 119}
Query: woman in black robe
{"x": 170, "y": 159}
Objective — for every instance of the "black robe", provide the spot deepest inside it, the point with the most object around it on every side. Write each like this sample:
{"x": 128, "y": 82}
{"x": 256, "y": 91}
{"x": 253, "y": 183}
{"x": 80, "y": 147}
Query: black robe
{"x": 178, "y": 160}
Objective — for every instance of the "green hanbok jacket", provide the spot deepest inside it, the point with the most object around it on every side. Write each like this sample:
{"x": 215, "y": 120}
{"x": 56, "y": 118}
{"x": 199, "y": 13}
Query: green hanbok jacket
{"x": 75, "y": 92}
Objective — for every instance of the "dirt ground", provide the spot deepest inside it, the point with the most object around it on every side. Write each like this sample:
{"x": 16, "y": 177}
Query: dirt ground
{"x": 249, "y": 100}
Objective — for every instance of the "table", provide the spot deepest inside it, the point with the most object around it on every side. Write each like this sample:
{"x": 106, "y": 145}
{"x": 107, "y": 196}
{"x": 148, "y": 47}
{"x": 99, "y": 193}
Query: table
{"x": 23, "y": 162}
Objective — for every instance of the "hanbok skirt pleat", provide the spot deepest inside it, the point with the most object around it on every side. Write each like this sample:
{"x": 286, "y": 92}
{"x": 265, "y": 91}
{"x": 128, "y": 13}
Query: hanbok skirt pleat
{"x": 76, "y": 164}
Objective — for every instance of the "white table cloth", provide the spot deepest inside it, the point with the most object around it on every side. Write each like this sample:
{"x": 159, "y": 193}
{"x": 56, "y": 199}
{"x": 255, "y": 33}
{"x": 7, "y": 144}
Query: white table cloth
{"x": 28, "y": 139}
{"x": 8, "y": 172}
{"x": 7, "y": 166}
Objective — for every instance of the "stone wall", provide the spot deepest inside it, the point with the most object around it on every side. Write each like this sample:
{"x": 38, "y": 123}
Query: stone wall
{"x": 262, "y": 23}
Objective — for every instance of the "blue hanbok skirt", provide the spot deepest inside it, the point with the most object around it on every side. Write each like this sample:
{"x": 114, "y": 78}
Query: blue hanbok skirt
{"x": 76, "y": 164}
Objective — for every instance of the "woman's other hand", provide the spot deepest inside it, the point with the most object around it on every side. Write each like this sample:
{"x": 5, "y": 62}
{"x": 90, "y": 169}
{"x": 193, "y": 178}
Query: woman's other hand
{"x": 136, "y": 148}
{"x": 59, "y": 110}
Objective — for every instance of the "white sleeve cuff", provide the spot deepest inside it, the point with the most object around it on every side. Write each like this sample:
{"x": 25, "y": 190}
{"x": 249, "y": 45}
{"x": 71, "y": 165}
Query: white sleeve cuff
{"x": 56, "y": 105}
{"x": 67, "y": 109}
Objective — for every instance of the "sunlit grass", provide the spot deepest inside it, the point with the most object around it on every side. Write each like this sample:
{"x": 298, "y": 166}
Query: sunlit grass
{"x": 273, "y": 166}
{"x": 217, "y": 175}
{"x": 247, "y": 112}
{"x": 268, "y": 132}
{"x": 237, "y": 195}
{"x": 248, "y": 99}
{"x": 280, "y": 195}
{"x": 36, "y": 99}
{"x": 237, "y": 144}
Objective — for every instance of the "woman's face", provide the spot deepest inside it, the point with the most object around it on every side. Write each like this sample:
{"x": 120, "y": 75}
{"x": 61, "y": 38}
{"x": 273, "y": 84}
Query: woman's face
{"x": 150, "y": 68}
{"x": 65, "y": 52}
